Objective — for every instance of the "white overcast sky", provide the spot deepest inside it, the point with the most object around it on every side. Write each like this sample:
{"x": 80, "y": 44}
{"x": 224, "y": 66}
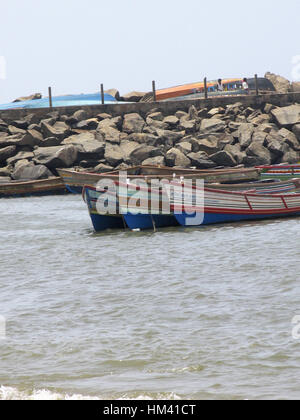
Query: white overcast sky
{"x": 75, "y": 45}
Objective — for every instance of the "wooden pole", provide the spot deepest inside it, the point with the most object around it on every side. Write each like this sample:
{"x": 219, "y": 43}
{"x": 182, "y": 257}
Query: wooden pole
{"x": 154, "y": 91}
{"x": 205, "y": 88}
{"x": 256, "y": 85}
{"x": 102, "y": 94}
{"x": 50, "y": 96}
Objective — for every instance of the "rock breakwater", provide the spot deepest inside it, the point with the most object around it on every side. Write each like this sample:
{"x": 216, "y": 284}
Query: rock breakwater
{"x": 33, "y": 148}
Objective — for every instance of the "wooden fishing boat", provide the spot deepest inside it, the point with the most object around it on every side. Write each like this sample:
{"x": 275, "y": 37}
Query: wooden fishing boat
{"x": 227, "y": 206}
{"x": 280, "y": 172}
{"x": 138, "y": 206}
{"x": 75, "y": 180}
{"x": 48, "y": 186}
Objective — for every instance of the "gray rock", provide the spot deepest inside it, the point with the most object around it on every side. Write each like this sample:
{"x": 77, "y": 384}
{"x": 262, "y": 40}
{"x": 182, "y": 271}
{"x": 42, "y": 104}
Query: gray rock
{"x": 171, "y": 120}
{"x": 20, "y": 156}
{"x": 114, "y": 93}
{"x": 193, "y": 113}
{"x": 80, "y": 115}
{"x": 281, "y": 84}
{"x": 127, "y": 147}
{"x": 15, "y": 130}
{"x": 235, "y": 151}
{"x": 90, "y": 124}
{"x": 223, "y": 158}
{"x": 142, "y": 153}
{"x": 29, "y": 98}
{"x": 245, "y": 133}
{"x": 213, "y": 125}
{"x": 290, "y": 156}
{"x": 101, "y": 168}
{"x": 296, "y": 131}
{"x": 157, "y": 160}
{"x": 108, "y": 131}
{"x": 185, "y": 147}
{"x": 201, "y": 160}
{"x": 209, "y": 145}
{"x": 261, "y": 153}
{"x": 5, "y": 179}
{"x": 133, "y": 96}
{"x": 113, "y": 154}
{"x": 155, "y": 124}
{"x": 7, "y": 152}
{"x": 31, "y": 172}
{"x": 175, "y": 157}
{"x": 189, "y": 126}
{"x": 287, "y": 116}
{"x": 143, "y": 138}
{"x": 289, "y": 138}
{"x": 133, "y": 123}
{"x": 60, "y": 130}
{"x": 275, "y": 145}
{"x": 50, "y": 141}
{"x": 157, "y": 116}
{"x": 56, "y": 157}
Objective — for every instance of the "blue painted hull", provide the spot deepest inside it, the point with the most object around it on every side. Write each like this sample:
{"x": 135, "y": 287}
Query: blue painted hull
{"x": 102, "y": 223}
{"x": 146, "y": 221}
{"x": 214, "y": 218}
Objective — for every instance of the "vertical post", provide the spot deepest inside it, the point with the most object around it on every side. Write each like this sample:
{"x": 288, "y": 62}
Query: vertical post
{"x": 102, "y": 94}
{"x": 154, "y": 91}
{"x": 50, "y": 96}
{"x": 205, "y": 88}
{"x": 256, "y": 84}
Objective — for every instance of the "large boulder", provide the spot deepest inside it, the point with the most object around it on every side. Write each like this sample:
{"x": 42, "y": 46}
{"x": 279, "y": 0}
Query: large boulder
{"x": 133, "y": 123}
{"x": 287, "y": 116}
{"x": 108, "y": 131}
{"x": 223, "y": 158}
{"x": 290, "y": 156}
{"x": 31, "y": 172}
{"x": 143, "y": 138}
{"x": 236, "y": 152}
{"x": 7, "y": 152}
{"x": 213, "y": 125}
{"x": 201, "y": 160}
{"x": 143, "y": 152}
{"x": 56, "y": 157}
{"x": 114, "y": 93}
{"x": 113, "y": 154}
{"x": 295, "y": 87}
{"x": 208, "y": 145}
{"x": 60, "y": 129}
{"x": 35, "y": 96}
{"x": 20, "y": 156}
{"x": 245, "y": 133}
{"x": 261, "y": 154}
{"x": 280, "y": 84}
{"x": 175, "y": 157}
{"x": 275, "y": 145}
{"x": 127, "y": 147}
{"x": 133, "y": 96}
{"x": 157, "y": 161}
{"x": 296, "y": 131}
{"x": 289, "y": 138}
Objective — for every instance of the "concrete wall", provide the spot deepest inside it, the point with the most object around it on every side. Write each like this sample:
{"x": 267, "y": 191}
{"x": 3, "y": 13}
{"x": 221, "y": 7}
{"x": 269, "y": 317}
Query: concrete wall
{"x": 168, "y": 108}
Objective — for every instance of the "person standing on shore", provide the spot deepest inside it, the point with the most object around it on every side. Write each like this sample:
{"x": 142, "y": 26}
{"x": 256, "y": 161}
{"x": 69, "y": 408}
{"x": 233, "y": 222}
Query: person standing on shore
{"x": 220, "y": 87}
{"x": 246, "y": 86}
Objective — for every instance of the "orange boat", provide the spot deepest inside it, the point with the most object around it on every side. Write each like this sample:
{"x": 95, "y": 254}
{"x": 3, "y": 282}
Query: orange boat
{"x": 183, "y": 90}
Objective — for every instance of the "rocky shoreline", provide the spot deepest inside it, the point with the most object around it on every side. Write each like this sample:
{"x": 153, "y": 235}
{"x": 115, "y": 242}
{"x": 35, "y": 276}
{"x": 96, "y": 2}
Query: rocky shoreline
{"x": 33, "y": 148}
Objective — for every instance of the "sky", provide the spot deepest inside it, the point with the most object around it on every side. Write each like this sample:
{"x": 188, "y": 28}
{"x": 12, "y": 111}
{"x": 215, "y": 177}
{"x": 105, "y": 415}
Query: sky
{"x": 75, "y": 45}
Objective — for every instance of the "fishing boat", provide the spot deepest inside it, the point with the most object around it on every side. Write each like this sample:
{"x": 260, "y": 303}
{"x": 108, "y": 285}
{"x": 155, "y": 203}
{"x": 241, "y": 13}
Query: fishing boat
{"x": 53, "y": 185}
{"x": 280, "y": 172}
{"x": 227, "y": 206}
{"x": 75, "y": 180}
{"x": 139, "y": 206}
{"x": 196, "y": 90}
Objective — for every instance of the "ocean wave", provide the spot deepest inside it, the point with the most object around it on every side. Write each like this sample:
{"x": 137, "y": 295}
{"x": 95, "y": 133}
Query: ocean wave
{"x": 11, "y": 393}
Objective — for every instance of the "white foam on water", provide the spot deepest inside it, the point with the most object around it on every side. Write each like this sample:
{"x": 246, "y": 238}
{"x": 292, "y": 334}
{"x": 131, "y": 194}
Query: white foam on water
{"x": 10, "y": 393}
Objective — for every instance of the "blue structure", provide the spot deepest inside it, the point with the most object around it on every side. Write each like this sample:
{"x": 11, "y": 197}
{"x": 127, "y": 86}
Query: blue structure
{"x": 60, "y": 101}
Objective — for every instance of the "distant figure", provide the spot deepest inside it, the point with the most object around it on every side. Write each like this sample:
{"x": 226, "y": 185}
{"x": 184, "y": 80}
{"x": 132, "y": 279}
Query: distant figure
{"x": 220, "y": 87}
{"x": 245, "y": 86}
